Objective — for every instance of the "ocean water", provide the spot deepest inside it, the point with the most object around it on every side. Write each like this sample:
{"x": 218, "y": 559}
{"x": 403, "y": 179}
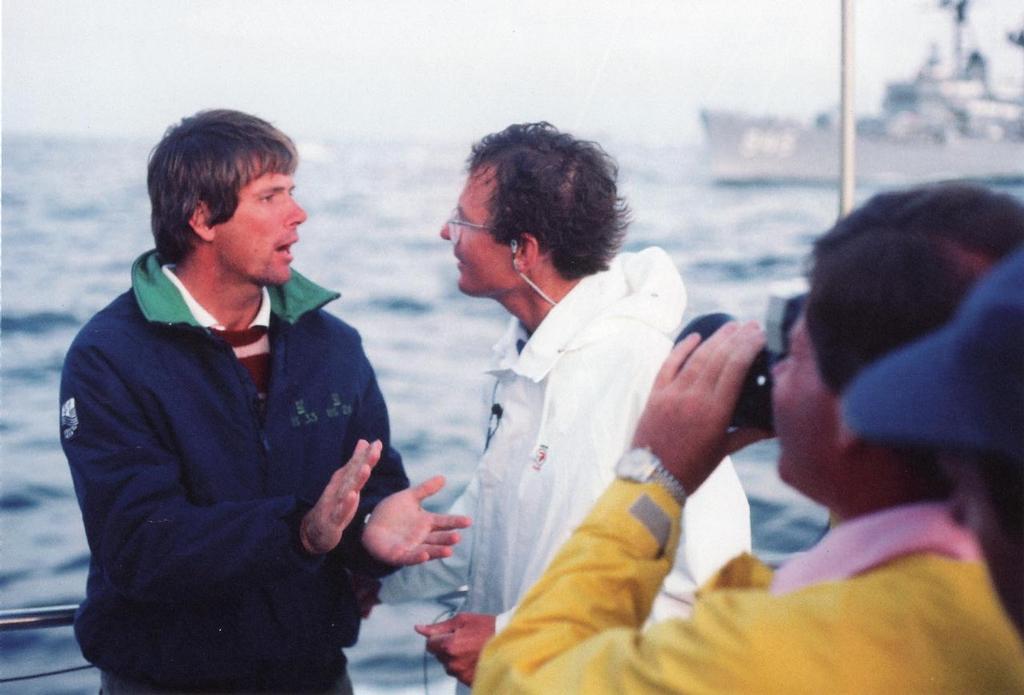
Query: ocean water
{"x": 75, "y": 214}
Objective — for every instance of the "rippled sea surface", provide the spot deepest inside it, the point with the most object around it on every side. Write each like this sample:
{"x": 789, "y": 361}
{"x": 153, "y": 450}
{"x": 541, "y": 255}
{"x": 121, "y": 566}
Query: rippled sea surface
{"x": 75, "y": 214}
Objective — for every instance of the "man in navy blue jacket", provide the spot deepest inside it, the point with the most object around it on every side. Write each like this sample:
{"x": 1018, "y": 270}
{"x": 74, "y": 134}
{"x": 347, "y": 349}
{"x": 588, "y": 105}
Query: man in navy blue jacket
{"x": 206, "y": 414}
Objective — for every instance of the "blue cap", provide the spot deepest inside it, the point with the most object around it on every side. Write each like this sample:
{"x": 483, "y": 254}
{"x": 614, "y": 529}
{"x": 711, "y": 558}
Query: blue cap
{"x": 961, "y": 387}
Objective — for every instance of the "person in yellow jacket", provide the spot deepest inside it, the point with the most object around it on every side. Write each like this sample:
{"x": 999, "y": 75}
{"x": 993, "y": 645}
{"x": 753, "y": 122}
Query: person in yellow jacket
{"x": 893, "y": 599}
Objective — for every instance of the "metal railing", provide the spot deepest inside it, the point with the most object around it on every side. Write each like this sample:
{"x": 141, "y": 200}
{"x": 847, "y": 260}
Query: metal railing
{"x": 36, "y": 618}
{"x": 32, "y": 618}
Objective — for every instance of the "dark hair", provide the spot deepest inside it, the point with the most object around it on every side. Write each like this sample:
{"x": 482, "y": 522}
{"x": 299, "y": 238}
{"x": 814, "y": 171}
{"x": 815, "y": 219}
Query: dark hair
{"x": 208, "y": 158}
{"x": 897, "y": 267}
{"x": 559, "y": 189}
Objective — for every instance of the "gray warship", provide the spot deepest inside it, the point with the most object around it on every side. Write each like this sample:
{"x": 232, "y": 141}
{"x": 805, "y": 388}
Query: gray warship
{"x": 944, "y": 123}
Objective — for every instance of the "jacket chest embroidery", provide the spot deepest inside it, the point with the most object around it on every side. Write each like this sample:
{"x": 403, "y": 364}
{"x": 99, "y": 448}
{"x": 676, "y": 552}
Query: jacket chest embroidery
{"x": 304, "y": 415}
{"x": 337, "y": 407}
{"x": 539, "y": 457}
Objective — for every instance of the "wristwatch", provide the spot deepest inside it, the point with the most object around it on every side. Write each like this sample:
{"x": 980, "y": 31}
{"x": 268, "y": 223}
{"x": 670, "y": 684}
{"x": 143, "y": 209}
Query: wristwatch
{"x": 642, "y": 466}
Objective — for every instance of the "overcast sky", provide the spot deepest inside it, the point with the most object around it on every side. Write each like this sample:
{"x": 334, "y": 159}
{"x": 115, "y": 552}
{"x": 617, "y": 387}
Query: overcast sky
{"x": 454, "y": 70}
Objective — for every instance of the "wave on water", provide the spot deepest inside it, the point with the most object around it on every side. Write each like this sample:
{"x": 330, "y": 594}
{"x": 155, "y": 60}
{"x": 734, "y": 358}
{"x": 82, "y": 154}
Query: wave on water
{"x": 12, "y": 201}
{"x": 31, "y": 496}
{"x": 38, "y": 322}
{"x": 77, "y": 213}
{"x": 750, "y": 268}
{"x": 400, "y": 305}
{"x": 18, "y": 501}
{"x": 7, "y": 578}
{"x": 75, "y": 564}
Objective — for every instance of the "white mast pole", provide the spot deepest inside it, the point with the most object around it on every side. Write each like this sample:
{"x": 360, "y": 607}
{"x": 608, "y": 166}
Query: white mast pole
{"x": 847, "y": 123}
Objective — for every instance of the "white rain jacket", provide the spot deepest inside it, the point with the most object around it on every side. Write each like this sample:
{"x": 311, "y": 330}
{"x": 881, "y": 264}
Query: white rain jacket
{"x": 570, "y": 401}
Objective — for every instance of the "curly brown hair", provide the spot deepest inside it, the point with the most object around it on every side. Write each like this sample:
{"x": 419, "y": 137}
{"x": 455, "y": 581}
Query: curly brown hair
{"x": 557, "y": 188}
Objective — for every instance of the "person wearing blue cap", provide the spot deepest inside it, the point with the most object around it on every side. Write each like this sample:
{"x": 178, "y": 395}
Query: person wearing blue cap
{"x": 894, "y": 599}
{"x": 960, "y": 391}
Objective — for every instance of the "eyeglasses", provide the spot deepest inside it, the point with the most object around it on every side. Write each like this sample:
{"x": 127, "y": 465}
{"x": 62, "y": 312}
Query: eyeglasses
{"x": 455, "y": 226}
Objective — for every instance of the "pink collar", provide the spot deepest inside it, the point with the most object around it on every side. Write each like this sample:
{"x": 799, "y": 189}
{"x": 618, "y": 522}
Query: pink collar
{"x": 860, "y": 544}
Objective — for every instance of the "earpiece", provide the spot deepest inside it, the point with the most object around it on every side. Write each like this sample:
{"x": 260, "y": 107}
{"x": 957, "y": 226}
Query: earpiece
{"x": 514, "y": 245}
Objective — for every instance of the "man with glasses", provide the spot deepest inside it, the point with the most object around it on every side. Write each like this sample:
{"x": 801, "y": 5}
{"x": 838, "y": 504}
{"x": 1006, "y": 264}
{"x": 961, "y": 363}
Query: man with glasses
{"x": 537, "y": 228}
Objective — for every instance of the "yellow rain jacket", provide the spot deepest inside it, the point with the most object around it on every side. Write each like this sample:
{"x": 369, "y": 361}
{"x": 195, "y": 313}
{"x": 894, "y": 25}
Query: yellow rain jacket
{"x": 921, "y": 623}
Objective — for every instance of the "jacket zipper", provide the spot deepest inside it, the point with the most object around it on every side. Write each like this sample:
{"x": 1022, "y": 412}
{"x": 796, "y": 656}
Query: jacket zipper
{"x": 252, "y": 398}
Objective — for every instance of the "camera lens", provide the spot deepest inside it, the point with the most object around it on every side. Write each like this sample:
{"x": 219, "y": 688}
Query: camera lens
{"x": 754, "y": 407}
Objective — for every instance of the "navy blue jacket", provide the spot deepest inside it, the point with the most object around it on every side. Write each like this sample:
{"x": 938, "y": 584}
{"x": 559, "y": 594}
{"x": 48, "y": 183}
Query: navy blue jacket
{"x": 192, "y": 496}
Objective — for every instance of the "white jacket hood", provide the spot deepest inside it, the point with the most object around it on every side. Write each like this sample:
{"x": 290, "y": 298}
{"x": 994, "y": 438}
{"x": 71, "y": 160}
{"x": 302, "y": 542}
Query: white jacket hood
{"x": 643, "y": 286}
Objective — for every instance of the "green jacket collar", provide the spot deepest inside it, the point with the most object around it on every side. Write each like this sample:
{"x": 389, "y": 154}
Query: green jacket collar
{"x": 160, "y": 300}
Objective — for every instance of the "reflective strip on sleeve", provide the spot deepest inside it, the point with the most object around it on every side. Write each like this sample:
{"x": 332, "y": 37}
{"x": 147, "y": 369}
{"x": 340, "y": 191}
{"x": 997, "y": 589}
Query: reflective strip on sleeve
{"x": 654, "y": 520}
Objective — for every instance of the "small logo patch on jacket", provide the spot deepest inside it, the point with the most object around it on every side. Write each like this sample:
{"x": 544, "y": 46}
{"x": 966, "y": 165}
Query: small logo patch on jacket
{"x": 68, "y": 418}
{"x": 539, "y": 457}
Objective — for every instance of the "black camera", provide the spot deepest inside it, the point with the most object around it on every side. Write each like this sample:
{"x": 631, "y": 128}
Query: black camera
{"x": 754, "y": 407}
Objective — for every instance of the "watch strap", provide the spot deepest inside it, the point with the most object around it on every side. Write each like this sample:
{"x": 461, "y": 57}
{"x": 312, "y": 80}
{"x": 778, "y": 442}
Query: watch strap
{"x": 669, "y": 482}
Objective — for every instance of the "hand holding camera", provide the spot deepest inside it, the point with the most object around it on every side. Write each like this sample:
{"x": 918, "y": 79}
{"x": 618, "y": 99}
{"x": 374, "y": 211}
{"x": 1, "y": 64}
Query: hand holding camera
{"x": 713, "y": 394}
{"x": 686, "y": 420}
{"x": 754, "y": 407}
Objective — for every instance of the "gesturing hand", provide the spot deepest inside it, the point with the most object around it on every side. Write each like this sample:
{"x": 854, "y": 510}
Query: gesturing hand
{"x": 323, "y": 525}
{"x": 457, "y": 643}
{"x": 401, "y": 532}
{"x": 687, "y": 415}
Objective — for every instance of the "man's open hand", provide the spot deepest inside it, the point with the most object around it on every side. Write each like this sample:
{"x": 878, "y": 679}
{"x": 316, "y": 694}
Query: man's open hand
{"x": 402, "y": 532}
{"x": 323, "y": 525}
